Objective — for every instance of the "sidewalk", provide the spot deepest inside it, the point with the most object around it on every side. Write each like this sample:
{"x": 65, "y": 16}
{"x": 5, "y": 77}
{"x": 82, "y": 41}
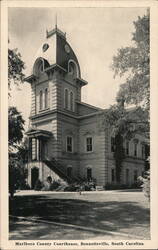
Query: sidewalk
{"x": 33, "y": 192}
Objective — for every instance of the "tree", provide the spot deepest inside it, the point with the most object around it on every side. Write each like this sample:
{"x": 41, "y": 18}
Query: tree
{"x": 17, "y": 174}
{"x": 15, "y": 67}
{"x": 16, "y": 127}
{"x": 134, "y": 64}
{"x": 131, "y": 63}
{"x": 125, "y": 124}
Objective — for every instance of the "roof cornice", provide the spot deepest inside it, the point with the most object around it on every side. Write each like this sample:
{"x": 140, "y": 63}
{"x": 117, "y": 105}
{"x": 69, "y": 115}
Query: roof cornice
{"x": 65, "y": 113}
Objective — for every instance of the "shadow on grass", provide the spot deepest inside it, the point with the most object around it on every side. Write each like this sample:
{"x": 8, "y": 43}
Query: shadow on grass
{"x": 108, "y": 216}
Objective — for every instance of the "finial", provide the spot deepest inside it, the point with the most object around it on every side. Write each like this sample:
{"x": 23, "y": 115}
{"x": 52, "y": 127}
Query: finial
{"x": 56, "y": 20}
{"x": 46, "y": 32}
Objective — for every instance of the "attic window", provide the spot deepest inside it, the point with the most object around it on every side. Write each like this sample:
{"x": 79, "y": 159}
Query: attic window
{"x": 45, "y": 47}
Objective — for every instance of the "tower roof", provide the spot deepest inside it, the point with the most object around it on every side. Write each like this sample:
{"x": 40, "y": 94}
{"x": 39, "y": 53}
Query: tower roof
{"x": 55, "y": 50}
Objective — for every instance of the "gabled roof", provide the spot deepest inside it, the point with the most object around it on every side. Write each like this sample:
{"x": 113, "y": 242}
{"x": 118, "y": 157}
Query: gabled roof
{"x": 86, "y": 109}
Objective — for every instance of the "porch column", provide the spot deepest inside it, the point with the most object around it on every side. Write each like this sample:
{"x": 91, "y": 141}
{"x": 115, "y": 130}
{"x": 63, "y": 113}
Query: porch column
{"x": 38, "y": 153}
{"x": 30, "y": 150}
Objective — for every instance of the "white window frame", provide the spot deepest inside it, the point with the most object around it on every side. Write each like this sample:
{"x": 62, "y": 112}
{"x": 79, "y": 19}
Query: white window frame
{"x": 67, "y": 144}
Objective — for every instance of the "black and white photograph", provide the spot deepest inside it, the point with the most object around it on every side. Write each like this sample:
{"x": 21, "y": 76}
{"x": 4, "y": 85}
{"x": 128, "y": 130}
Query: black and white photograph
{"x": 79, "y": 130}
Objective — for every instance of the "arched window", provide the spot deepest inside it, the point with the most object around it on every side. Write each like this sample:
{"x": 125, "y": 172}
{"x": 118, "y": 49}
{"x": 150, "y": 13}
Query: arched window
{"x": 66, "y": 98}
{"x": 73, "y": 68}
{"x": 39, "y": 66}
{"x": 71, "y": 101}
{"x": 46, "y": 98}
{"x": 41, "y": 100}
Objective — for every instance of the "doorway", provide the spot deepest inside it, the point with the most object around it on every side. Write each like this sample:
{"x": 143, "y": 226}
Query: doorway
{"x": 34, "y": 176}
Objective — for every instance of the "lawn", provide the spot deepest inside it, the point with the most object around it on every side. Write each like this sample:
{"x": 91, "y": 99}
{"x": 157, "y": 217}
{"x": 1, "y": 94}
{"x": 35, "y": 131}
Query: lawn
{"x": 103, "y": 215}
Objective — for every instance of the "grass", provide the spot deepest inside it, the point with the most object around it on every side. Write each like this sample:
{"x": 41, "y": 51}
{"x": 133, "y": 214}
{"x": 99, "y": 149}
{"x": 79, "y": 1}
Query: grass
{"x": 106, "y": 215}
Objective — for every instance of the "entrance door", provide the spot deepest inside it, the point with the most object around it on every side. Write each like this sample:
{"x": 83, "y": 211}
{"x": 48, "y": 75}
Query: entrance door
{"x": 43, "y": 150}
{"x": 34, "y": 176}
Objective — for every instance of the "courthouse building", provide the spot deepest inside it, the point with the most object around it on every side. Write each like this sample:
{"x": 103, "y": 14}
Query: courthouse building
{"x": 67, "y": 137}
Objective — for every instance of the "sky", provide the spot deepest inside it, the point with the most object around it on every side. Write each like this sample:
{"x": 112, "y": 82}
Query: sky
{"x": 94, "y": 34}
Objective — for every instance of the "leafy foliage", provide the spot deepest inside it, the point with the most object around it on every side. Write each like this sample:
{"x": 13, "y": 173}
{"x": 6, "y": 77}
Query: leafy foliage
{"x": 15, "y": 67}
{"x": 127, "y": 122}
{"x": 118, "y": 155}
{"x": 146, "y": 183}
{"x": 134, "y": 64}
{"x": 17, "y": 173}
{"x": 16, "y": 127}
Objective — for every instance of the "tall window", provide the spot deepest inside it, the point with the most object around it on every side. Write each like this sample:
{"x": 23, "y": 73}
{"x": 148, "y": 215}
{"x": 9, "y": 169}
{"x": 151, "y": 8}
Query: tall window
{"x": 127, "y": 176}
{"x": 66, "y": 98}
{"x": 112, "y": 144}
{"x": 89, "y": 174}
{"x": 112, "y": 175}
{"x": 127, "y": 147}
{"x": 69, "y": 144}
{"x": 89, "y": 146}
{"x": 135, "y": 149}
{"x": 71, "y": 101}
{"x": 143, "y": 151}
{"x": 135, "y": 175}
{"x": 41, "y": 100}
{"x": 46, "y": 98}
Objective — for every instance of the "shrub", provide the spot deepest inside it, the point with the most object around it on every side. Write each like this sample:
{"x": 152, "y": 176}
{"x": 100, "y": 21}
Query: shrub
{"x": 136, "y": 184}
{"x": 38, "y": 185}
{"x": 54, "y": 185}
{"x": 145, "y": 180}
{"x": 49, "y": 179}
{"x": 71, "y": 188}
{"x": 82, "y": 185}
